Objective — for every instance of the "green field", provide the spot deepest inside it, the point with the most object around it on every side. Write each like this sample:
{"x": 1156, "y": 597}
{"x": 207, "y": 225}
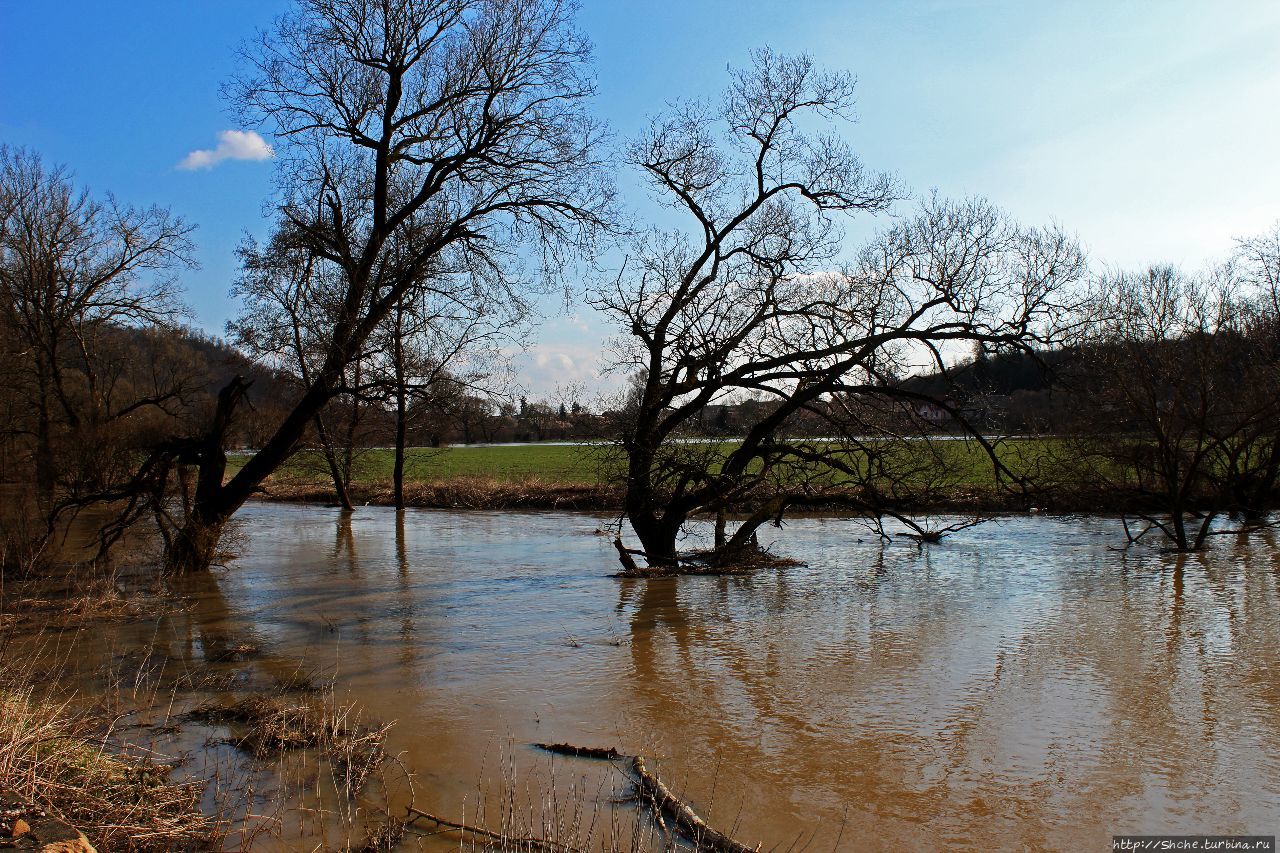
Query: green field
{"x": 547, "y": 462}
{"x": 576, "y": 464}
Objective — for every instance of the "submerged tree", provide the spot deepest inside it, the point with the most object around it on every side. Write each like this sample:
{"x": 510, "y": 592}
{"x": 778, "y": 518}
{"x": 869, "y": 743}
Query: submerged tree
{"x": 745, "y": 302}
{"x": 419, "y": 139}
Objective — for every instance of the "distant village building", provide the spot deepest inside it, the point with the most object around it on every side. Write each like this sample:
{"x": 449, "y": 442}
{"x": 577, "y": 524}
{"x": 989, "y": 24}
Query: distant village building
{"x": 932, "y": 413}
{"x": 718, "y": 417}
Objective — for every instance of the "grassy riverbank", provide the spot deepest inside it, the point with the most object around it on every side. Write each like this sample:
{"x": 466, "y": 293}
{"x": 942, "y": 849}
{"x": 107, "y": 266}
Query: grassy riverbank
{"x": 59, "y": 775}
{"x": 564, "y": 464}
{"x": 558, "y": 464}
{"x": 69, "y": 777}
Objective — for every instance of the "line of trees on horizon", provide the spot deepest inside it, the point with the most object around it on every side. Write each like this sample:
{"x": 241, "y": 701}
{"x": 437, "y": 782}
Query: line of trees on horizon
{"x": 440, "y": 166}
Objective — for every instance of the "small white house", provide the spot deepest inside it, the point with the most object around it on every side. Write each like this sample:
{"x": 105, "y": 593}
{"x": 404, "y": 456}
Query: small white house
{"x": 932, "y": 413}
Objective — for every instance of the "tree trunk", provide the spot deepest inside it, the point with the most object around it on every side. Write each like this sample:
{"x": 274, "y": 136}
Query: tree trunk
{"x": 1206, "y": 524}
{"x": 1179, "y": 526}
{"x": 194, "y": 546}
{"x": 655, "y": 523}
{"x": 335, "y": 473}
{"x": 397, "y": 474}
{"x": 44, "y": 444}
{"x": 745, "y": 536}
{"x": 401, "y": 392}
{"x": 44, "y": 459}
{"x": 657, "y": 537}
{"x": 215, "y": 502}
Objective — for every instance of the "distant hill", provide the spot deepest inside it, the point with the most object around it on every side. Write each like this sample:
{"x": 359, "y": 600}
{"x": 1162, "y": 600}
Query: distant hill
{"x": 1000, "y": 374}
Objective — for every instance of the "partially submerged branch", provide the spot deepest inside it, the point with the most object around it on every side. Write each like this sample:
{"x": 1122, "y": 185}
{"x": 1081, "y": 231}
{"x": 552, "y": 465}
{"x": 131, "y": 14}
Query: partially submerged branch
{"x": 685, "y": 818}
{"x": 652, "y": 789}
{"x": 606, "y": 753}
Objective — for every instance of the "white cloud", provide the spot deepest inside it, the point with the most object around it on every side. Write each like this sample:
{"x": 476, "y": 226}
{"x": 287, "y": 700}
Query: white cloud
{"x": 546, "y": 366}
{"x": 555, "y": 361}
{"x": 232, "y": 145}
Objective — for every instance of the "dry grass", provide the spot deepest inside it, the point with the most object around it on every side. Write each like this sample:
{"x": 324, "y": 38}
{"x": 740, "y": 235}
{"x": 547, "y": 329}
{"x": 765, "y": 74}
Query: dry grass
{"x": 94, "y": 760}
{"x": 105, "y": 745}
{"x": 264, "y": 725}
{"x": 66, "y": 593}
{"x": 539, "y": 813}
{"x": 58, "y": 760}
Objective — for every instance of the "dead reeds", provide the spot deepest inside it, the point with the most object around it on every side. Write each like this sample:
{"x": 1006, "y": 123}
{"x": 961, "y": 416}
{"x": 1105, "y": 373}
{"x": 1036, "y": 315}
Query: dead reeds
{"x": 58, "y": 761}
{"x": 265, "y": 724}
{"x": 540, "y": 813}
{"x": 128, "y": 750}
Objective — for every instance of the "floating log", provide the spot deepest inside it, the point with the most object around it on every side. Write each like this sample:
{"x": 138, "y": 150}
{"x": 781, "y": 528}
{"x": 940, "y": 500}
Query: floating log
{"x": 607, "y": 754}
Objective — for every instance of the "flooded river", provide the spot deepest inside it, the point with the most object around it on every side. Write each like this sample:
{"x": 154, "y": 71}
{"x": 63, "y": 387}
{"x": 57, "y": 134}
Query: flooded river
{"x": 1021, "y": 685}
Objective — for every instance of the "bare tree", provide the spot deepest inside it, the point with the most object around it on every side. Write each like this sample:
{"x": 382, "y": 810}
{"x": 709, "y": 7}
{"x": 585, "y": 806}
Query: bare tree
{"x": 433, "y": 350}
{"x": 425, "y": 144}
{"x": 1177, "y": 415}
{"x": 74, "y": 269}
{"x": 1257, "y": 261}
{"x": 290, "y": 300}
{"x": 741, "y": 304}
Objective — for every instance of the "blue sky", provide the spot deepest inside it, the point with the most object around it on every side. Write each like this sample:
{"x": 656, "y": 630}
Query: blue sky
{"x": 1149, "y": 129}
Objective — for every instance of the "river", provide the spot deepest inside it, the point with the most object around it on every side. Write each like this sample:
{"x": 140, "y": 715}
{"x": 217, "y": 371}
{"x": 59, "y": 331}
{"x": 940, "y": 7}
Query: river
{"x": 1020, "y": 685}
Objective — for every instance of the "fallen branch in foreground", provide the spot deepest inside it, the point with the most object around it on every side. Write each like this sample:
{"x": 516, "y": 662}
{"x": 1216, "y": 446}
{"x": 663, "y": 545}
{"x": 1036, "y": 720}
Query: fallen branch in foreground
{"x": 685, "y": 818}
{"x": 663, "y": 801}
{"x": 651, "y": 789}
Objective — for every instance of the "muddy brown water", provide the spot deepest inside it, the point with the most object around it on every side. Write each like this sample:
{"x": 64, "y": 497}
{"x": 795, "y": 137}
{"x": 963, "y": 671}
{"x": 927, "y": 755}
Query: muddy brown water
{"x": 1021, "y": 685}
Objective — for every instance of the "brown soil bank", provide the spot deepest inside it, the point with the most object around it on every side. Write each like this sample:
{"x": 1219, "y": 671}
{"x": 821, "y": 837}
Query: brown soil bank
{"x": 484, "y": 493}
{"x": 459, "y": 493}
{"x": 27, "y": 827}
